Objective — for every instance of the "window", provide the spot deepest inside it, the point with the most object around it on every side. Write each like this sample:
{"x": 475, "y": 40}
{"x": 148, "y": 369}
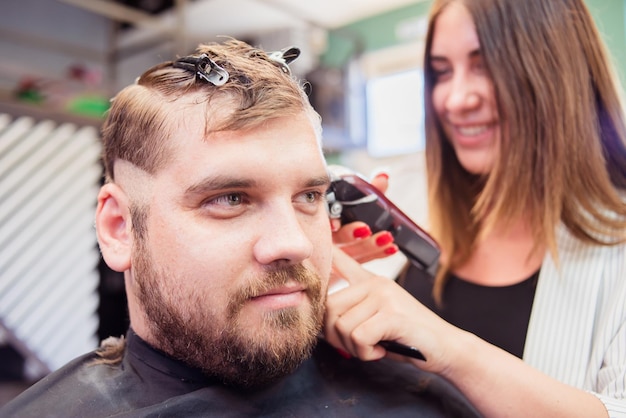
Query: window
{"x": 395, "y": 113}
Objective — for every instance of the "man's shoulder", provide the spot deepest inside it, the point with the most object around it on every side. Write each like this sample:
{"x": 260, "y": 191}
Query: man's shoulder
{"x": 327, "y": 384}
{"x": 85, "y": 384}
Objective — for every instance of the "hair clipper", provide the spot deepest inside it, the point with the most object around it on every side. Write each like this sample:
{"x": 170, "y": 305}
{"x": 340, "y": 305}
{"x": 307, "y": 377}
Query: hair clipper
{"x": 352, "y": 198}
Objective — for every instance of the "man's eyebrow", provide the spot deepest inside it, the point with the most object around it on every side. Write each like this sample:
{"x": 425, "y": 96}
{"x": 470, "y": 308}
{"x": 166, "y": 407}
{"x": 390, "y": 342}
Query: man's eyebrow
{"x": 319, "y": 181}
{"x": 217, "y": 183}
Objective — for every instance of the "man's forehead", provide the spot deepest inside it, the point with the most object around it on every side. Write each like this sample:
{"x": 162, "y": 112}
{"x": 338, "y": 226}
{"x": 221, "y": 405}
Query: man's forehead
{"x": 194, "y": 155}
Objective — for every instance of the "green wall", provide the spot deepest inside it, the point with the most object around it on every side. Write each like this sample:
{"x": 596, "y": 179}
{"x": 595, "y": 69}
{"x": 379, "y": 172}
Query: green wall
{"x": 610, "y": 16}
{"x": 369, "y": 34}
{"x": 380, "y": 32}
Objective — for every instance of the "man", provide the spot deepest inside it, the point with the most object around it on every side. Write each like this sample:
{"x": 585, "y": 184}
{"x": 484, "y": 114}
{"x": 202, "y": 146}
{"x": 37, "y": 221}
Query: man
{"x": 214, "y": 208}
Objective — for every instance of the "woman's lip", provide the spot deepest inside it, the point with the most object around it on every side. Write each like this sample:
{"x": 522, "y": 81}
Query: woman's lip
{"x": 475, "y": 134}
{"x": 472, "y": 125}
{"x": 473, "y": 130}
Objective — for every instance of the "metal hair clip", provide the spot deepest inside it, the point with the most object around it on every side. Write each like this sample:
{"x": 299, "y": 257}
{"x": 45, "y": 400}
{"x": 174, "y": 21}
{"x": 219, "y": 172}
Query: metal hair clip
{"x": 204, "y": 68}
{"x": 284, "y": 57}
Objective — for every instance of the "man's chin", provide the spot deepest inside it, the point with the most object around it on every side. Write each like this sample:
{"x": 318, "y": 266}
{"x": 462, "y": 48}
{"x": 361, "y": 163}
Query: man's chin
{"x": 285, "y": 330}
{"x": 266, "y": 355}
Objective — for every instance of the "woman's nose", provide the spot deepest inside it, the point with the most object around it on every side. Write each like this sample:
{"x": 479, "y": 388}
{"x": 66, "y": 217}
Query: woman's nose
{"x": 463, "y": 95}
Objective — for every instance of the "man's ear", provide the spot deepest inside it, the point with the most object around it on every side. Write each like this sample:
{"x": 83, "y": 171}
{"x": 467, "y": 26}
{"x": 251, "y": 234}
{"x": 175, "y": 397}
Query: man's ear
{"x": 113, "y": 227}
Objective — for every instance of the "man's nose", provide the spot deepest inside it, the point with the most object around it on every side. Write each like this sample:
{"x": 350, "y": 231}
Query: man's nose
{"x": 282, "y": 237}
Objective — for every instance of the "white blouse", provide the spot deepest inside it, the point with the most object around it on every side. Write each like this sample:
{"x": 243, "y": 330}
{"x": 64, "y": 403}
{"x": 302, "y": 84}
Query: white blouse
{"x": 577, "y": 328}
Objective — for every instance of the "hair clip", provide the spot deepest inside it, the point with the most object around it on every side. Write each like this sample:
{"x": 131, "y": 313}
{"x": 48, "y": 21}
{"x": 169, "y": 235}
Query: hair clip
{"x": 284, "y": 57}
{"x": 204, "y": 67}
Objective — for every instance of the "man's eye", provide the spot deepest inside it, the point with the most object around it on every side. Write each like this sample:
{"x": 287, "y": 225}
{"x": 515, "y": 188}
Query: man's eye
{"x": 231, "y": 199}
{"x": 312, "y": 197}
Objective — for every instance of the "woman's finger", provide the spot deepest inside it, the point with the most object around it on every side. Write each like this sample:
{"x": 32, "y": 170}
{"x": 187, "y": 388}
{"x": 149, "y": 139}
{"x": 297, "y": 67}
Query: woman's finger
{"x": 349, "y": 233}
{"x": 380, "y": 180}
{"x": 379, "y": 245}
{"x": 348, "y": 268}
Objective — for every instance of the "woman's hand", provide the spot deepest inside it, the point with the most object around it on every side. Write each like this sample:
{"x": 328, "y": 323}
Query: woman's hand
{"x": 374, "y": 308}
{"x": 370, "y": 308}
{"x": 356, "y": 238}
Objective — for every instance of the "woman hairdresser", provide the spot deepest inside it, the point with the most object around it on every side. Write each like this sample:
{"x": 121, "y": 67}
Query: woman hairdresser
{"x": 526, "y": 166}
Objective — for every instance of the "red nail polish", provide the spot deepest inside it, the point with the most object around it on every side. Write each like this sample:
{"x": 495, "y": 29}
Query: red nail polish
{"x": 343, "y": 353}
{"x": 384, "y": 239}
{"x": 362, "y": 232}
{"x": 391, "y": 250}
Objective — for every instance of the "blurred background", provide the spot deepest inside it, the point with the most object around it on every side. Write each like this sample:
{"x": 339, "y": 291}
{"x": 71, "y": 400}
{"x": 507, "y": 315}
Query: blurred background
{"x": 62, "y": 60}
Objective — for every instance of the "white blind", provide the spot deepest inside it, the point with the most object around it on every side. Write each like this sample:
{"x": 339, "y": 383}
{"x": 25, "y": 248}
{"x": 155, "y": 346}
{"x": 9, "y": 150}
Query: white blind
{"x": 49, "y": 178}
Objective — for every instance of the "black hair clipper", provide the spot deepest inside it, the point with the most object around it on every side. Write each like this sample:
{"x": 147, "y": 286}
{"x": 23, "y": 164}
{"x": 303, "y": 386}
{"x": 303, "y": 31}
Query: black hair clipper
{"x": 352, "y": 198}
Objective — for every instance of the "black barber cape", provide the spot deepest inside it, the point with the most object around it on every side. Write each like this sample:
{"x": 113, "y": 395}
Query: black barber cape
{"x": 147, "y": 383}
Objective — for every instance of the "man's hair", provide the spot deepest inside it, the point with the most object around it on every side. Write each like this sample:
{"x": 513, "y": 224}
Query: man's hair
{"x": 563, "y": 150}
{"x": 139, "y": 124}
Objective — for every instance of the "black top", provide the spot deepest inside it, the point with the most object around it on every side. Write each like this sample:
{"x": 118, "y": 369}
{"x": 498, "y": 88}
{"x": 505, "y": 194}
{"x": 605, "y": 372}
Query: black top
{"x": 148, "y": 383}
{"x": 497, "y": 314}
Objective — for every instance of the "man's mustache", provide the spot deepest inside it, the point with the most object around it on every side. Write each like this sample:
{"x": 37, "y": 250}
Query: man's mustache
{"x": 275, "y": 277}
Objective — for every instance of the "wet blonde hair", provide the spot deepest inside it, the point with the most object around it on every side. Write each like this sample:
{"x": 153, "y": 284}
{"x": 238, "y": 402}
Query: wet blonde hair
{"x": 138, "y": 126}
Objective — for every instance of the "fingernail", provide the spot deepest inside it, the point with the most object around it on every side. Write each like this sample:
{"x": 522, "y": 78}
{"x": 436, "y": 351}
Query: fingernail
{"x": 384, "y": 239}
{"x": 381, "y": 174}
{"x": 362, "y": 232}
{"x": 380, "y": 171}
{"x": 391, "y": 250}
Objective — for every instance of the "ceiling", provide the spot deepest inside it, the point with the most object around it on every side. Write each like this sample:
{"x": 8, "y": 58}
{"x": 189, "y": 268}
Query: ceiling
{"x": 246, "y": 15}
{"x": 203, "y": 19}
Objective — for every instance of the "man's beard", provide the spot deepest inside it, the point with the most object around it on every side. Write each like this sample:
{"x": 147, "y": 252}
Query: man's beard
{"x": 227, "y": 348}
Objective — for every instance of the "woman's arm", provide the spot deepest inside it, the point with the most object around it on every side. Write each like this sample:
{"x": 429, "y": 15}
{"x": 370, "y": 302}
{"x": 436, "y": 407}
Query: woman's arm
{"x": 499, "y": 384}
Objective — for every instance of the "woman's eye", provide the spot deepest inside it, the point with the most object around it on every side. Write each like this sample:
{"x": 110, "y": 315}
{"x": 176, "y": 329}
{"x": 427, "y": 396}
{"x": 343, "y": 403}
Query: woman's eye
{"x": 478, "y": 64}
{"x": 441, "y": 73}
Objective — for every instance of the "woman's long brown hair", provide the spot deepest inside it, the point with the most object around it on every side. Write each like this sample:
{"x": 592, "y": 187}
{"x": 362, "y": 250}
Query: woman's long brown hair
{"x": 562, "y": 156}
